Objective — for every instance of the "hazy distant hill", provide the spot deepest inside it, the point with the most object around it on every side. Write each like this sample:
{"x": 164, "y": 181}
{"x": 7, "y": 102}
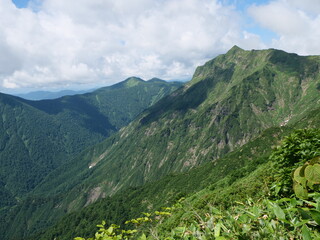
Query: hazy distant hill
{"x": 41, "y": 95}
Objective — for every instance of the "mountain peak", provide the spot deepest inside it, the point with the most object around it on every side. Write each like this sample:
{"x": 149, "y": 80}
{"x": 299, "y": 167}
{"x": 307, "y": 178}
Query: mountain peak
{"x": 129, "y": 82}
{"x": 235, "y": 49}
{"x": 156, "y": 80}
{"x": 133, "y": 81}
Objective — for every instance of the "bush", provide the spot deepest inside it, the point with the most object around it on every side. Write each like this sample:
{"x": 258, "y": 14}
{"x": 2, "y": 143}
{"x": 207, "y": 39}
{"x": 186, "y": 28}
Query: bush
{"x": 295, "y": 150}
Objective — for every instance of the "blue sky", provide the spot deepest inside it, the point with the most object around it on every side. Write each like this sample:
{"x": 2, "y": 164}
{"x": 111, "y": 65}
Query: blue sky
{"x": 21, "y": 3}
{"x": 252, "y": 26}
{"x": 57, "y": 44}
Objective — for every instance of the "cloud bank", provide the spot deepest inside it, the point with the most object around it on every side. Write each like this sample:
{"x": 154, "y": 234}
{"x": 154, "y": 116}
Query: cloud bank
{"x": 67, "y": 44}
{"x": 64, "y": 43}
{"x": 295, "y": 22}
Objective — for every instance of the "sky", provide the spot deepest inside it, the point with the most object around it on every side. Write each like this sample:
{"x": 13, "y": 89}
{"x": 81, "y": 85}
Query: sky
{"x": 59, "y": 44}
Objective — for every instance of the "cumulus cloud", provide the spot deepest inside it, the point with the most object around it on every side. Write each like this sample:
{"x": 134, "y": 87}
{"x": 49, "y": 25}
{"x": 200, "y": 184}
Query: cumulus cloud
{"x": 58, "y": 43}
{"x": 295, "y": 22}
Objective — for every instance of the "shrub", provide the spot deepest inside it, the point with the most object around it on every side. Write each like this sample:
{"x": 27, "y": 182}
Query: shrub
{"x": 295, "y": 149}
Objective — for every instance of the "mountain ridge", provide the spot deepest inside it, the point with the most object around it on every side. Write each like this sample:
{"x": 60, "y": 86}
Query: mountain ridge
{"x": 211, "y": 115}
{"x": 45, "y": 95}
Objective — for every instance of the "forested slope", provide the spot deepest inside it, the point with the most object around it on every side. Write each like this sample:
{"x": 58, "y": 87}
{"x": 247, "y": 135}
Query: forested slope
{"x": 37, "y": 137}
{"x": 246, "y": 173}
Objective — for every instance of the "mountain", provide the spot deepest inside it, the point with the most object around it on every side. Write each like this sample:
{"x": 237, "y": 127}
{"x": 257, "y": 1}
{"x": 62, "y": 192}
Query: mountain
{"x": 230, "y": 100}
{"x": 230, "y": 103}
{"x": 41, "y": 95}
{"x": 36, "y": 137}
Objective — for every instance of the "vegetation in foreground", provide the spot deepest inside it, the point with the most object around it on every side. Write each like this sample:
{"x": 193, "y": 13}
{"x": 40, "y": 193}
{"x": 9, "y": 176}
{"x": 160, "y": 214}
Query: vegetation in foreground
{"x": 282, "y": 213}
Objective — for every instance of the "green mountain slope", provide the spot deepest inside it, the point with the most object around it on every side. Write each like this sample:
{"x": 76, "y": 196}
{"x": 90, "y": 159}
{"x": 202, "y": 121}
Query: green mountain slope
{"x": 131, "y": 202}
{"x": 152, "y": 196}
{"x": 241, "y": 174}
{"x": 38, "y": 136}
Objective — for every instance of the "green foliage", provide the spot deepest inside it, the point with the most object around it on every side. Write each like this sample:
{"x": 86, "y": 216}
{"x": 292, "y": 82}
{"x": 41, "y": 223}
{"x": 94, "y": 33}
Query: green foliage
{"x": 306, "y": 186}
{"x": 113, "y": 232}
{"x": 295, "y": 150}
{"x": 264, "y": 219}
{"x": 285, "y": 218}
{"x": 306, "y": 178}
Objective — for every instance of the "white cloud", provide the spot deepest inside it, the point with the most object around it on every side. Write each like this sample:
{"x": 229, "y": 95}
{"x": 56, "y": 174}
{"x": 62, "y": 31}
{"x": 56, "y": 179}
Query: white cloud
{"x": 60, "y": 43}
{"x": 310, "y": 6}
{"x": 296, "y": 23}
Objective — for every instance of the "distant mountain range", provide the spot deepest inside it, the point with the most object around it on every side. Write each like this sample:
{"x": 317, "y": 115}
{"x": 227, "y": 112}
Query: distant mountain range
{"x": 218, "y": 127}
{"x": 41, "y": 95}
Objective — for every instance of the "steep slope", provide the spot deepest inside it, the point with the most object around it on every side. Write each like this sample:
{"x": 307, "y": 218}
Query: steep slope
{"x": 229, "y": 101}
{"x": 30, "y": 145}
{"x": 152, "y": 196}
{"x": 240, "y": 174}
{"x": 38, "y": 212}
{"x": 38, "y": 136}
